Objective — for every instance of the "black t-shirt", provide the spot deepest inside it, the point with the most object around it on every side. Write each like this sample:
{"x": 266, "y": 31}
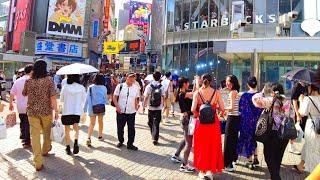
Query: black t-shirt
{"x": 185, "y": 103}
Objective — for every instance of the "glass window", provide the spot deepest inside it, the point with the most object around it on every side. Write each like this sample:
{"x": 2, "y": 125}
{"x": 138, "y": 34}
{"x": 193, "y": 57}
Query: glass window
{"x": 184, "y": 62}
{"x": 203, "y": 19}
{"x": 202, "y": 57}
{"x": 176, "y": 56}
{"x": 194, "y": 14}
{"x": 170, "y": 11}
{"x": 214, "y": 19}
{"x": 224, "y": 13}
{"x": 284, "y": 6}
{"x": 272, "y": 11}
{"x": 186, "y": 15}
{"x": 169, "y": 58}
{"x": 177, "y": 15}
{"x": 297, "y": 5}
{"x": 248, "y": 10}
{"x": 193, "y": 56}
{"x": 259, "y": 14}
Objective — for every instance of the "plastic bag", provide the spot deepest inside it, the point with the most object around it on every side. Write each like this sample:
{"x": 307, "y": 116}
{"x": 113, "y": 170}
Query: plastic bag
{"x": 11, "y": 120}
{"x": 191, "y": 126}
{"x": 3, "y": 129}
{"x": 300, "y": 133}
{"x": 57, "y": 131}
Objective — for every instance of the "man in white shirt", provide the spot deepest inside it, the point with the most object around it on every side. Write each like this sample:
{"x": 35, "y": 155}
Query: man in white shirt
{"x": 153, "y": 97}
{"x": 126, "y": 100}
{"x": 166, "y": 83}
{"x": 16, "y": 91}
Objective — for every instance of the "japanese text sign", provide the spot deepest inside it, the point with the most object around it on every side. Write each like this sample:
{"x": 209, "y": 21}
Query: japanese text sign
{"x": 53, "y": 47}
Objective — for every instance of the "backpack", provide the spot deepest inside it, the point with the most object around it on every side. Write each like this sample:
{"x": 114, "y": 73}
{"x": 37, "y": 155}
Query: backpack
{"x": 155, "y": 99}
{"x": 207, "y": 114}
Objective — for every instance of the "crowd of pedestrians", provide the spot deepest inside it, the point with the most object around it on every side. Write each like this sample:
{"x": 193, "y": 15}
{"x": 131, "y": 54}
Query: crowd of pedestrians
{"x": 201, "y": 109}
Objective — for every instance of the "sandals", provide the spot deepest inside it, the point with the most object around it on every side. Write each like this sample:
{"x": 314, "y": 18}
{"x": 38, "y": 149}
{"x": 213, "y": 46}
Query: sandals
{"x": 296, "y": 169}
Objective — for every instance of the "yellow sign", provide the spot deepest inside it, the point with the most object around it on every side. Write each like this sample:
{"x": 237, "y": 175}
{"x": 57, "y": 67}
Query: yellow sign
{"x": 112, "y": 47}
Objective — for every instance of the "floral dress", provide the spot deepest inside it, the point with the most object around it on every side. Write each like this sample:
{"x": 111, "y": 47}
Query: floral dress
{"x": 249, "y": 115}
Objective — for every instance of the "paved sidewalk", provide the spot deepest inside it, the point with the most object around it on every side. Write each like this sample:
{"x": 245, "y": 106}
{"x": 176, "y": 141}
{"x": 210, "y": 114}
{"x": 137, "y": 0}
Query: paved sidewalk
{"x": 105, "y": 161}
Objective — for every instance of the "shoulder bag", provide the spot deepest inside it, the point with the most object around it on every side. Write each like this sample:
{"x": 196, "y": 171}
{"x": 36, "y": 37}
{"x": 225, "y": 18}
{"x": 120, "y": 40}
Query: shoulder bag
{"x": 98, "y": 108}
{"x": 288, "y": 129}
{"x": 264, "y": 125}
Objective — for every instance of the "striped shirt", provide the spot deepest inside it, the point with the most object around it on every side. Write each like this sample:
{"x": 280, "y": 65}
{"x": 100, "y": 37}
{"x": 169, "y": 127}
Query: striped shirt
{"x": 235, "y": 111}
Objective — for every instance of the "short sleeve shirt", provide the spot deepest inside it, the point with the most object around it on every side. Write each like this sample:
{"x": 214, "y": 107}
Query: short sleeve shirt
{"x": 127, "y": 97}
{"x": 39, "y": 92}
{"x": 147, "y": 94}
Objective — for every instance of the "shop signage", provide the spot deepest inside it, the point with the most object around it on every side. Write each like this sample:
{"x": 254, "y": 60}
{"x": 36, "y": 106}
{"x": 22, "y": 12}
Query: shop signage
{"x": 54, "y": 47}
{"x": 139, "y": 13}
{"x": 131, "y": 47}
{"x": 112, "y": 47}
{"x": 106, "y": 15}
{"x": 66, "y": 18}
{"x": 224, "y": 21}
{"x": 95, "y": 29}
{"x": 21, "y": 22}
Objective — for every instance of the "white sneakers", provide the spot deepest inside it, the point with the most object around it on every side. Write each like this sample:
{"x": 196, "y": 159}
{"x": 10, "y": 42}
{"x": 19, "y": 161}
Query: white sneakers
{"x": 207, "y": 175}
{"x": 293, "y": 149}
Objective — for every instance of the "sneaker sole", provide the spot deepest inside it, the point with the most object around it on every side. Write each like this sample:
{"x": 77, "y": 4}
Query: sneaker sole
{"x": 186, "y": 171}
{"x": 175, "y": 161}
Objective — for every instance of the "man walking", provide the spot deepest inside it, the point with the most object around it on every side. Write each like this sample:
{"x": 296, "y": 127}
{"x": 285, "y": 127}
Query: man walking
{"x": 126, "y": 100}
{"x": 16, "y": 92}
{"x": 166, "y": 83}
{"x": 153, "y": 97}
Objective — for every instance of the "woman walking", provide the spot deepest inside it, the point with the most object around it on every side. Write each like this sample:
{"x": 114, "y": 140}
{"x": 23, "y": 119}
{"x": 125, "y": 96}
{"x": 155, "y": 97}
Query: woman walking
{"x": 96, "y": 95}
{"x": 275, "y": 146}
{"x": 207, "y": 137}
{"x": 249, "y": 114}
{"x": 73, "y": 96}
{"x": 233, "y": 123}
{"x": 42, "y": 101}
{"x": 185, "y": 102}
{"x": 310, "y": 106}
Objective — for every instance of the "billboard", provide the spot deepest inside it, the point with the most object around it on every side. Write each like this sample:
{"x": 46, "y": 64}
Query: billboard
{"x": 140, "y": 13}
{"x": 112, "y": 47}
{"x": 66, "y": 18}
{"x": 63, "y": 48}
{"x": 21, "y": 22}
{"x": 130, "y": 47}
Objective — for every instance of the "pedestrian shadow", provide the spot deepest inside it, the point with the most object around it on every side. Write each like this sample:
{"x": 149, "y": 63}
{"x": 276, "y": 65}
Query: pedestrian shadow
{"x": 95, "y": 134}
{"x": 141, "y": 157}
{"x": 100, "y": 170}
{"x": 286, "y": 171}
{"x": 19, "y": 154}
{"x": 12, "y": 171}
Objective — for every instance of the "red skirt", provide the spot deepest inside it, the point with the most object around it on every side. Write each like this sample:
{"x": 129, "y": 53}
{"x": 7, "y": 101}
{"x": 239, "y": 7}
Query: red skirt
{"x": 207, "y": 147}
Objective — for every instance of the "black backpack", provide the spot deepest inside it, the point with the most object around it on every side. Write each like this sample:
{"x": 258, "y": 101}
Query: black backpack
{"x": 207, "y": 114}
{"x": 156, "y": 94}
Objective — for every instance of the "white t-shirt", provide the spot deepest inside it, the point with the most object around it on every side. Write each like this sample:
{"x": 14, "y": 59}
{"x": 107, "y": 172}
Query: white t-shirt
{"x": 166, "y": 85}
{"x": 127, "y": 97}
{"x": 307, "y": 106}
{"x": 147, "y": 94}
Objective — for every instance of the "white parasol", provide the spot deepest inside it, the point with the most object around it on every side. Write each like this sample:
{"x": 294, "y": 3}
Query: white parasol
{"x": 77, "y": 68}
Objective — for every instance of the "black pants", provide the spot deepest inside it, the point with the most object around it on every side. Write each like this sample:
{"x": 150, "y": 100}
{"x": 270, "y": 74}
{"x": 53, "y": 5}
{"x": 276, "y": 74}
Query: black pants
{"x": 273, "y": 153}
{"x": 303, "y": 123}
{"x": 24, "y": 128}
{"x": 154, "y": 117}
{"x": 122, "y": 120}
{"x": 231, "y": 140}
{"x": 185, "y": 143}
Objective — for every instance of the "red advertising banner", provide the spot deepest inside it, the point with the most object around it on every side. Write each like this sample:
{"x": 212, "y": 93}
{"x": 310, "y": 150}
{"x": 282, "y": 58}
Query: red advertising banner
{"x": 106, "y": 15}
{"x": 21, "y": 22}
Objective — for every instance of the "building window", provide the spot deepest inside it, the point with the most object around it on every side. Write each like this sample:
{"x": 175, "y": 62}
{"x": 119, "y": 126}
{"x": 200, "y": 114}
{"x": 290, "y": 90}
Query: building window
{"x": 176, "y": 56}
{"x": 224, "y": 13}
{"x": 214, "y": 16}
{"x": 177, "y": 15}
{"x": 193, "y": 53}
{"x": 186, "y": 15}
{"x": 204, "y": 18}
{"x": 170, "y": 14}
{"x": 194, "y": 17}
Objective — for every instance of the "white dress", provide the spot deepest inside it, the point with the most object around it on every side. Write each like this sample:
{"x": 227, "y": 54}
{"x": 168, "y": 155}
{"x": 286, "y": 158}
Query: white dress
{"x": 311, "y": 149}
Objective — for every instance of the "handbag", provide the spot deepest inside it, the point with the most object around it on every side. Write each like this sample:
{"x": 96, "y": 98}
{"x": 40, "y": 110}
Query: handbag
{"x": 57, "y": 131}
{"x": 11, "y": 120}
{"x": 98, "y": 108}
{"x": 264, "y": 126}
{"x": 223, "y": 124}
{"x": 315, "y": 120}
{"x": 191, "y": 126}
{"x": 288, "y": 129}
